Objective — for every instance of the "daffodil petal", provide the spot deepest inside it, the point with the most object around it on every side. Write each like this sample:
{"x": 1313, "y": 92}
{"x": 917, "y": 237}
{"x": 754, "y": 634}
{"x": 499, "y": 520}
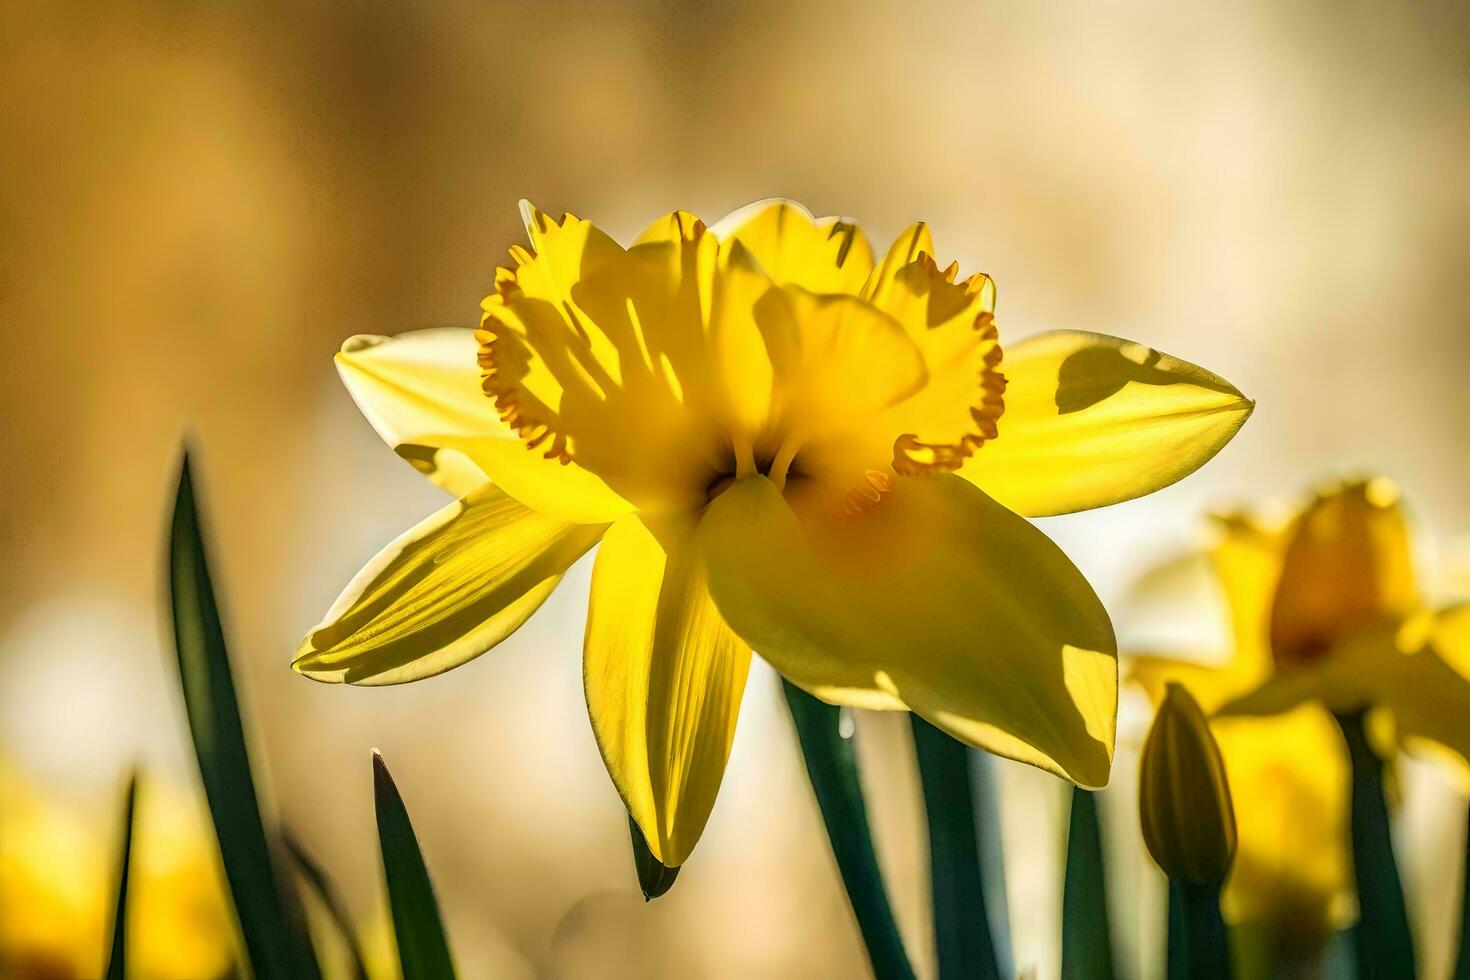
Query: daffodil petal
{"x": 421, "y": 392}
{"x": 1430, "y": 702}
{"x": 1278, "y": 693}
{"x": 1347, "y": 566}
{"x": 1246, "y": 557}
{"x": 1450, "y": 636}
{"x": 826, "y": 255}
{"x": 1289, "y": 786}
{"x": 664, "y": 676}
{"x": 1092, "y": 420}
{"x": 938, "y": 597}
{"x": 1210, "y": 686}
{"x": 443, "y": 593}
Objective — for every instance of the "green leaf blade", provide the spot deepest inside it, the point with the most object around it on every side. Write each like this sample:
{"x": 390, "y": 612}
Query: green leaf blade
{"x": 1087, "y": 947}
{"x": 273, "y": 947}
{"x": 961, "y": 924}
{"x": 831, "y": 765}
{"x": 1384, "y": 944}
{"x": 423, "y": 949}
{"x": 117, "y": 958}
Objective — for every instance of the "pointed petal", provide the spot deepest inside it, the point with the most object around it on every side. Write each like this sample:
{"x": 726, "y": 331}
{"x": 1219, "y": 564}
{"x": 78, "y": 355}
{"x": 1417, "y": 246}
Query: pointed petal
{"x": 664, "y": 676}
{"x": 1247, "y": 561}
{"x": 443, "y": 593}
{"x": 938, "y": 597}
{"x": 421, "y": 383}
{"x": 1092, "y": 420}
{"x": 823, "y": 255}
{"x": 421, "y": 392}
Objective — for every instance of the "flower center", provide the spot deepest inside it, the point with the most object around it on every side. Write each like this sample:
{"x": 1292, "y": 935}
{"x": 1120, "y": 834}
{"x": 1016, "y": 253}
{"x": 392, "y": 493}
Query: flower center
{"x": 673, "y": 367}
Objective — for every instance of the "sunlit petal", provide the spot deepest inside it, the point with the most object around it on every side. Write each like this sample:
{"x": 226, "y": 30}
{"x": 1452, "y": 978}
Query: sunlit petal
{"x": 938, "y": 597}
{"x": 664, "y": 676}
{"x": 826, "y": 255}
{"x": 444, "y": 592}
{"x": 1289, "y": 784}
{"x": 421, "y": 392}
{"x": 1092, "y": 420}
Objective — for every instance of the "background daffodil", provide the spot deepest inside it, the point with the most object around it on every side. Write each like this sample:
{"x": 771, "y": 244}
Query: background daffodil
{"x": 783, "y": 441}
{"x": 1350, "y": 628}
{"x": 1289, "y": 887}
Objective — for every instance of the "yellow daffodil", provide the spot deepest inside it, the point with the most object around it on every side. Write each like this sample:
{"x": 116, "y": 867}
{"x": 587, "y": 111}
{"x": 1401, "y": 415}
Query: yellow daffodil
{"x": 783, "y": 441}
{"x": 1349, "y": 628}
{"x": 58, "y": 885}
{"x": 1290, "y": 884}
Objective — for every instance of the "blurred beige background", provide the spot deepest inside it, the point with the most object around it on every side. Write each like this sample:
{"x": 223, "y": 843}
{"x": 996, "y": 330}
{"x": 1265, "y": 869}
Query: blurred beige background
{"x": 198, "y": 202}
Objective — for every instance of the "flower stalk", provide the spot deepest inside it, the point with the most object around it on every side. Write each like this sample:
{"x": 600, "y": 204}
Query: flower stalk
{"x": 1188, "y": 825}
{"x": 1382, "y": 940}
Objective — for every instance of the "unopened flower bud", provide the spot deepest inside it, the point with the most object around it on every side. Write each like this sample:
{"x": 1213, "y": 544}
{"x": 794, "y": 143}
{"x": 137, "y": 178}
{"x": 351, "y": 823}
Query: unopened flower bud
{"x": 1183, "y": 797}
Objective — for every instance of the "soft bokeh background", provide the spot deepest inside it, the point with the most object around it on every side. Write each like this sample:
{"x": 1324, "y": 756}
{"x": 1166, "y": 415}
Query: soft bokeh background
{"x": 198, "y": 202}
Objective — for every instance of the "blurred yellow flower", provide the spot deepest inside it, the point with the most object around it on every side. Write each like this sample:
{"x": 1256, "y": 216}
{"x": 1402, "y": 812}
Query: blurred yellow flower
{"x": 1290, "y": 882}
{"x": 58, "y": 886}
{"x": 1350, "y": 629}
{"x": 1325, "y": 616}
{"x": 782, "y": 441}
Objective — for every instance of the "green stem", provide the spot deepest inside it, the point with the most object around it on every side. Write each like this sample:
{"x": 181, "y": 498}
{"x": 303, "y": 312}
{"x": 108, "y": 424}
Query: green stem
{"x": 961, "y": 925}
{"x": 1462, "y": 960}
{"x": 1087, "y": 949}
{"x": 831, "y": 766}
{"x": 1382, "y": 941}
{"x": 1199, "y": 948}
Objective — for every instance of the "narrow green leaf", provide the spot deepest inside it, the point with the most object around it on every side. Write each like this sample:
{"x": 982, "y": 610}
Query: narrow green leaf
{"x": 117, "y": 959}
{"x": 961, "y": 926}
{"x": 831, "y": 766}
{"x": 654, "y": 877}
{"x": 330, "y": 899}
{"x": 1384, "y": 945}
{"x": 1462, "y": 959}
{"x": 274, "y": 947}
{"x": 1087, "y": 947}
{"x": 1199, "y": 948}
{"x": 423, "y": 949}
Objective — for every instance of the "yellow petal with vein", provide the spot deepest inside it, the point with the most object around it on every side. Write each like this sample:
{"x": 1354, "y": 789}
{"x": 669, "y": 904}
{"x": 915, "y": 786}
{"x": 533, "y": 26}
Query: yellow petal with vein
{"x": 664, "y": 676}
{"x": 1092, "y": 420}
{"x": 444, "y": 592}
{"x": 938, "y": 597}
{"x": 826, "y": 255}
{"x": 421, "y": 392}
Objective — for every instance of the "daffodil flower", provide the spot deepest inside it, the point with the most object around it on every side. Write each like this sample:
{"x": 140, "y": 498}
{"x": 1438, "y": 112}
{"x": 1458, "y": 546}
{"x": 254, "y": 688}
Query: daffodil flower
{"x": 1327, "y": 618}
{"x": 1350, "y": 629}
{"x": 782, "y": 441}
{"x": 1290, "y": 884}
